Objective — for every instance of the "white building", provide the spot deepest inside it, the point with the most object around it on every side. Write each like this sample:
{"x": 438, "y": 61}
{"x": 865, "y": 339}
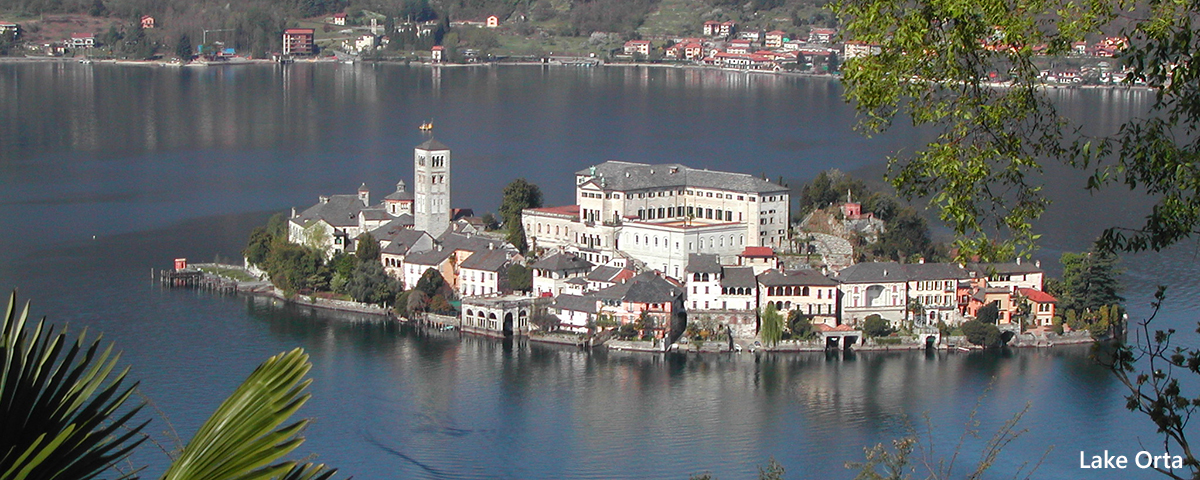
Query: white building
{"x": 550, "y": 274}
{"x": 629, "y": 206}
{"x": 805, "y": 291}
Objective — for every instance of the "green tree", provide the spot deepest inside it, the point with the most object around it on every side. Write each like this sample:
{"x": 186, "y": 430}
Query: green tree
{"x": 876, "y": 326}
{"x": 988, "y": 314}
{"x": 370, "y": 284}
{"x": 800, "y": 326}
{"x": 489, "y": 222}
{"x": 982, "y": 334}
{"x": 367, "y": 248}
{"x": 518, "y": 195}
{"x": 771, "y": 329}
{"x": 983, "y": 171}
{"x": 1090, "y": 280}
{"x": 183, "y": 47}
{"x": 520, "y": 278}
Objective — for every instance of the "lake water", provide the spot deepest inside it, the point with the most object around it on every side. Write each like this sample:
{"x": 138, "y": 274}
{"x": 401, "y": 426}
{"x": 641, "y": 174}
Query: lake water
{"x": 110, "y": 171}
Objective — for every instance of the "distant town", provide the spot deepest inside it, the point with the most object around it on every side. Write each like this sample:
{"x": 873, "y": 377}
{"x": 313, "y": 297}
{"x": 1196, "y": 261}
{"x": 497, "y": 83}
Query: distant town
{"x": 653, "y": 258}
{"x": 764, "y": 45}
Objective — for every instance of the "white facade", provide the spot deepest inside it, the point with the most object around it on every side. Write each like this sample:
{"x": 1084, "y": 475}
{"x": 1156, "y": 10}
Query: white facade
{"x": 618, "y": 204}
{"x": 474, "y": 282}
{"x": 431, "y": 178}
{"x": 665, "y": 246}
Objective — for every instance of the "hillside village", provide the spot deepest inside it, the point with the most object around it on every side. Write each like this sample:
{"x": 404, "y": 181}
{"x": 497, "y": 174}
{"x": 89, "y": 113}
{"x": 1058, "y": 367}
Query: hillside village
{"x": 773, "y": 40}
{"x": 657, "y": 252}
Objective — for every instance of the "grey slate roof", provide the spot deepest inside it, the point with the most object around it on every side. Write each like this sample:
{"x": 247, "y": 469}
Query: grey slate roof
{"x": 339, "y": 211}
{"x": 406, "y": 195}
{"x": 773, "y": 278}
{"x": 374, "y": 213}
{"x": 873, "y": 272}
{"x": 432, "y": 144}
{"x": 561, "y": 262}
{"x": 626, "y": 176}
{"x": 646, "y": 287}
{"x": 403, "y": 241}
{"x": 882, "y": 272}
{"x": 475, "y": 243}
{"x": 429, "y": 257}
{"x": 703, "y": 263}
{"x": 575, "y": 303}
{"x": 487, "y": 260}
{"x": 986, "y": 269}
{"x": 577, "y": 281}
{"x": 739, "y": 277}
{"x": 935, "y": 271}
{"x": 603, "y": 273}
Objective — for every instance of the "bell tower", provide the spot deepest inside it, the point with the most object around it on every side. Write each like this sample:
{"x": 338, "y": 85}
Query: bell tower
{"x": 431, "y": 178}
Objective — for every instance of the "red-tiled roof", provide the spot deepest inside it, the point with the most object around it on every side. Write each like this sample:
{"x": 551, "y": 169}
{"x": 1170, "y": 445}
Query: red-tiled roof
{"x": 1037, "y": 295}
{"x": 300, "y": 31}
{"x": 563, "y": 210}
{"x": 438, "y": 47}
{"x": 761, "y": 252}
{"x": 83, "y": 35}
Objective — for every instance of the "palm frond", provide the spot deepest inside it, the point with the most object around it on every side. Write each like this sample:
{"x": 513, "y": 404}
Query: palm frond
{"x": 309, "y": 471}
{"x": 243, "y": 439}
{"x": 58, "y": 405}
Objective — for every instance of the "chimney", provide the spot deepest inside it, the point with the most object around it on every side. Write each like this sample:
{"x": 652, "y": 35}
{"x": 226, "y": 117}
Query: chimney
{"x": 293, "y": 212}
{"x": 1018, "y": 260}
{"x": 1037, "y": 263}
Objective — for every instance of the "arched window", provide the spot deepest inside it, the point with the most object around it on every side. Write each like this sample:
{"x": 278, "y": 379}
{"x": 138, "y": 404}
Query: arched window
{"x": 805, "y": 293}
{"x": 704, "y": 277}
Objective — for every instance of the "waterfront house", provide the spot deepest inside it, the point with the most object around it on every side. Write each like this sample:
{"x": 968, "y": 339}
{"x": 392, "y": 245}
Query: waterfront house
{"x": 486, "y": 273}
{"x": 722, "y": 293}
{"x": 650, "y": 294}
{"x": 83, "y": 40}
{"x": 575, "y": 312}
{"x": 437, "y": 54}
{"x": 551, "y": 273}
{"x": 298, "y": 41}
{"x": 807, "y": 292}
{"x": 935, "y": 287}
{"x": 1042, "y": 306}
{"x": 637, "y": 46}
{"x": 693, "y": 50}
{"x": 875, "y": 288}
{"x": 712, "y": 28}
{"x": 1002, "y": 297}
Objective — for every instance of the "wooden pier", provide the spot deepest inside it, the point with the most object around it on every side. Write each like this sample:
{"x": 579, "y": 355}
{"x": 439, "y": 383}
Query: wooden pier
{"x": 194, "y": 278}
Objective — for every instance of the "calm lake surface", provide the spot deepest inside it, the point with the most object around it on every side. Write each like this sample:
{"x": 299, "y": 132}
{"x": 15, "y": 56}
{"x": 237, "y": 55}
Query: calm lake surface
{"x": 109, "y": 171}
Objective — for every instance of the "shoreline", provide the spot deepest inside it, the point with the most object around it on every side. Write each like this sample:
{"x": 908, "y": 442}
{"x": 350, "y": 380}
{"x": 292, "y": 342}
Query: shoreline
{"x": 263, "y": 289}
{"x": 333, "y": 60}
